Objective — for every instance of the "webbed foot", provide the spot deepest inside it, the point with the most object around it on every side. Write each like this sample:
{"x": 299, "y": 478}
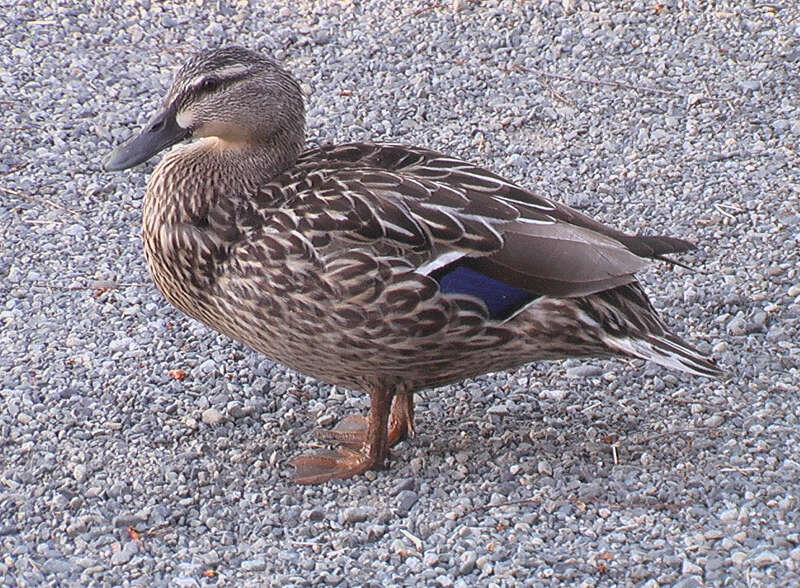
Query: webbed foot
{"x": 351, "y": 431}
{"x": 320, "y": 466}
{"x": 366, "y": 440}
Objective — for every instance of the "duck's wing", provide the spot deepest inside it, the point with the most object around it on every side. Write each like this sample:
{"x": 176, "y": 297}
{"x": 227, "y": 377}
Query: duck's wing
{"x": 444, "y": 213}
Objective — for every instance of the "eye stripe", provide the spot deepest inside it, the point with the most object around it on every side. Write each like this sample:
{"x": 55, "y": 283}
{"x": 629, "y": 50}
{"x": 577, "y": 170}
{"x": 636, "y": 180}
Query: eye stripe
{"x": 223, "y": 74}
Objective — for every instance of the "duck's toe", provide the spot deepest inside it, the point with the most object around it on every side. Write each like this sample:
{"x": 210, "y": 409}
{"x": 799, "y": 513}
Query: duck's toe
{"x": 321, "y": 466}
{"x": 351, "y": 432}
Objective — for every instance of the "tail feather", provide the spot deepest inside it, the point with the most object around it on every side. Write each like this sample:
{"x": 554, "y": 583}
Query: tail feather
{"x": 666, "y": 350}
{"x": 626, "y": 322}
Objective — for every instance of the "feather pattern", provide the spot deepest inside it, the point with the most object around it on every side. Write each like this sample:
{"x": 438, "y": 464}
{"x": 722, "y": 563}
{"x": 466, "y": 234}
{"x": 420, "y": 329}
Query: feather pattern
{"x": 361, "y": 242}
{"x": 381, "y": 267}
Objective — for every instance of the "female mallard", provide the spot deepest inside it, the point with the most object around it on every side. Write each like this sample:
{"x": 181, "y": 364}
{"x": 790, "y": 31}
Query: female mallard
{"x": 384, "y": 268}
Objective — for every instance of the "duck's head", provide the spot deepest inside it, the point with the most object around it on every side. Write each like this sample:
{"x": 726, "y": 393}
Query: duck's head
{"x": 242, "y": 98}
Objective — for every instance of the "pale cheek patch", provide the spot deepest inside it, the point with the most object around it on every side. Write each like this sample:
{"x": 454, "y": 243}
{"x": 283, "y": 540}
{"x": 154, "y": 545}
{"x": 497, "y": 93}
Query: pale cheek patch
{"x": 185, "y": 119}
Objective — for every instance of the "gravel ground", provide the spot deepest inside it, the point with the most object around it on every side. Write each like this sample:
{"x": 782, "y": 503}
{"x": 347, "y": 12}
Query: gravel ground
{"x": 114, "y": 469}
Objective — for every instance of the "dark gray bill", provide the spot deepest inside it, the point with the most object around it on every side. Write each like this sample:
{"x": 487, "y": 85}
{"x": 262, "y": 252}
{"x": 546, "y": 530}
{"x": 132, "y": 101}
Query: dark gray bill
{"x": 162, "y": 132}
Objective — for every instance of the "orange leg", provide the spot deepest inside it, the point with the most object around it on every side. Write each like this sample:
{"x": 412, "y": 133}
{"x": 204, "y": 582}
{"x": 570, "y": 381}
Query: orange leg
{"x": 373, "y": 448}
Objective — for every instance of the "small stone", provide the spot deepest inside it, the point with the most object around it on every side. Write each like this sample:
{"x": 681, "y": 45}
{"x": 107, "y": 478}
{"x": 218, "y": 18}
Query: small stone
{"x": 77, "y": 527}
{"x": 750, "y": 84}
{"x": 430, "y": 559}
{"x": 517, "y": 161}
{"x": 205, "y": 368}
{"x": 781, "y": 125}
{"x": 211, "y": 416}
{"x": 125, "y": 554}
{"x": 254, "y": 565}
{"x": 557, "y": 395}
{"x": 235, "y": 410}
{"x": 738, "y": 557}
{"x": 356, "y": 514}
{"x": 498, "y": 409}
{"x": 211, "y": 558}
{"x": 414, "y": 564}
{"x": 468, "y": 559}
{"x": 720, "y": 347}
{"x": 658, "y": 135}
{"x": 444, "y": 581}
{"x": 79, "y": 472}
{"x": 794, "y": 554}
{"x": 403, "y": 484}
{"x": 730, "y": 515}
{"x": 737, "y": 326}
{"x": 693, "y": 99}
{"x": 375, "y": 532}
{"x": 693, "y": 581}
{"x": 124, "y": 521}
{"x": 117, "y": 345}
{"x": 584, "y": 371}
{"x": 74, "y": 230}
{"x": 690, "y": 568}
{"x": 406, "y": 499}
{"x": 764, "y": 558}
{"x": 316, "y": 514}
{"x": 86, "y": 562}
{"x": 714, "y": 563}
{"x": 57, "y": 566}
{"x": 544, "y": 468}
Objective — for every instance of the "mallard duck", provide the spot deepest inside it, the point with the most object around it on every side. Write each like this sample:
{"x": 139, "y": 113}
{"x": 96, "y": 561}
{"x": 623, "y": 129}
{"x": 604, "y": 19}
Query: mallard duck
{"x": 379, "y": 267}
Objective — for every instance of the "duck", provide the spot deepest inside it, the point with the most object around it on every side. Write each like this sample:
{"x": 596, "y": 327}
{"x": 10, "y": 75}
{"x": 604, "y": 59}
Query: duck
{"x": 380, "y": 267}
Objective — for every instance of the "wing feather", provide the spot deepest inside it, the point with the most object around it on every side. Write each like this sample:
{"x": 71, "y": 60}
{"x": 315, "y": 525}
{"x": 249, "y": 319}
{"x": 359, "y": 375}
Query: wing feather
{"x": 422, "y": 201}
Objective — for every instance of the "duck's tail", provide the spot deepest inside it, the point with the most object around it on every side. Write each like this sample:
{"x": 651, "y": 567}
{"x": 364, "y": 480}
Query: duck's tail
{"x": 667, "y": 350}
{"x": 627, "y": 323}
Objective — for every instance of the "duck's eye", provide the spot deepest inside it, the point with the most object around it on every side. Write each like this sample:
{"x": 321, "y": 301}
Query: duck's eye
{"x": 210, "y": 84}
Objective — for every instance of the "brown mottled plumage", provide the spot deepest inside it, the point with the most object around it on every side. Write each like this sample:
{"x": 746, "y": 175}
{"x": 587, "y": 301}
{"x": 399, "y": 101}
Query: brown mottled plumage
{"x": 380, "y": 267}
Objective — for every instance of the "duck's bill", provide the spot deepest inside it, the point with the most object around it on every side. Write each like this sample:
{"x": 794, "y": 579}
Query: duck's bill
{"x": 162, "y": 132}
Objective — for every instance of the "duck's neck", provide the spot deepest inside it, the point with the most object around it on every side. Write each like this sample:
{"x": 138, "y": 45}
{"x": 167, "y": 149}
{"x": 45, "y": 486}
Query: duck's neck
{"x": 190, "y": 180}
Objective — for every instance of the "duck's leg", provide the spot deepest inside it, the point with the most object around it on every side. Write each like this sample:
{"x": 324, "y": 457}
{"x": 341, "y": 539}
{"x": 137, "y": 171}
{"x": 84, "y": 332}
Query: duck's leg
{"x": 401, "y": 420}
{"x": 351, "y": 431}
{"x": 321, "y": 466}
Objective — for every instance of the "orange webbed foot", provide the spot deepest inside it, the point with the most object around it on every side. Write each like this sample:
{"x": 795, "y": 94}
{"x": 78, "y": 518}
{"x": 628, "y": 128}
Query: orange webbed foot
{"x": 365, "y": 441}
{"x": 320, "y": 466}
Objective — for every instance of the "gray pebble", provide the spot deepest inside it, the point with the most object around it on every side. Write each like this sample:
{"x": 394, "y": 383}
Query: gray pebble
{"x": 80, "y": 472}
{"x": 57, "y": 566}
{"x": 584, "y": 371}
{"x": 125, "y": 554}
{"x": 356, "y": 514}
{"x": 764, "y": 558}
{"x": 127, "y": 520}
{"x": 467, "y": 559}
{"x": 737, "y": 326}
{"x": 406, "y": 499}
{"x": 403, "y": 484}
{"x": 211, "y": 416}
{"x": 254, "y": 565}
{"x": 690, "y": 568}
